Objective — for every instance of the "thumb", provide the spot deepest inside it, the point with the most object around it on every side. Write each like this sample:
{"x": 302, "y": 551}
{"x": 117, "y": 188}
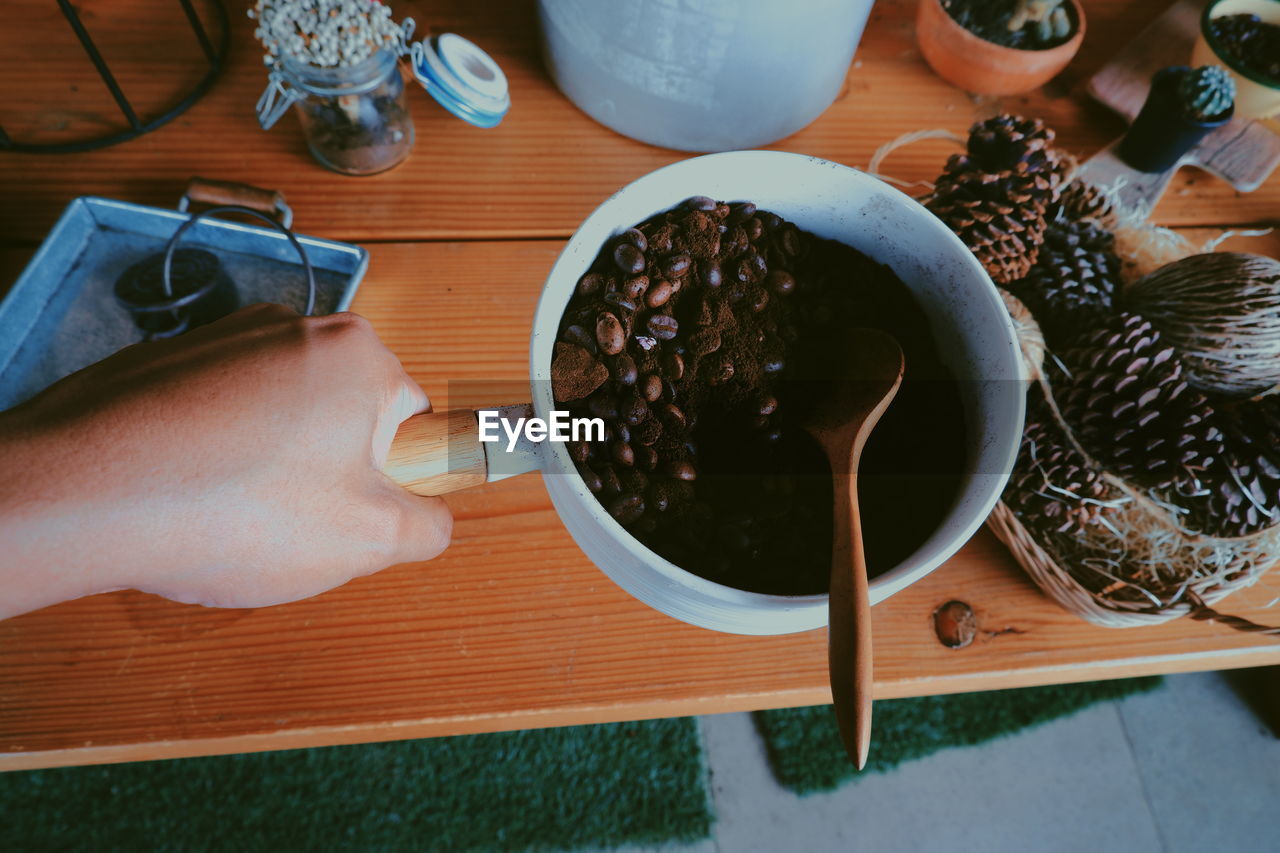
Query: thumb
{"x": 424, "y": 526}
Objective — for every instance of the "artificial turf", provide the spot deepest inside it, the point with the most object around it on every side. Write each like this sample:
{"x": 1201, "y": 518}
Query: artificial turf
{"x": 804, "y": 748}
{"x": 550, "y": 789}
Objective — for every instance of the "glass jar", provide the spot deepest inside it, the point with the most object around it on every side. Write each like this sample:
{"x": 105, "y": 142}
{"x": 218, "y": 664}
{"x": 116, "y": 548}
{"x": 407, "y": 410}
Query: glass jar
{"x": 355, "y": 119}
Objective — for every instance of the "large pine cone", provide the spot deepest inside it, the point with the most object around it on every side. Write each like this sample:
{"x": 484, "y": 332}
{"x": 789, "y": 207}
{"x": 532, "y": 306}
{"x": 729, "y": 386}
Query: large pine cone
{"x": 1240, "y": 494}
{"x": 1008, "y": 143}
{"x": 1052, "y": 485}
{"x": 1130, "y": 406}
{"x": 1072, "y": 284}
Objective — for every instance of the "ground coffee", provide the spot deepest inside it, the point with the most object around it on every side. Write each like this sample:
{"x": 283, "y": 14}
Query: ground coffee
{"x": 710, "y": 321}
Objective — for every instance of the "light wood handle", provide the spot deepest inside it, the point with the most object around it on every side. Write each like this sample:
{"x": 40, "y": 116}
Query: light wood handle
{"x": 211, "y": 192}
{"x": 438, "y": 452}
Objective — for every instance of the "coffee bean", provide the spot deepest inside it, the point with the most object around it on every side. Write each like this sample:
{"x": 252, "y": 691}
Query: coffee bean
{"x": 663, "y": 326}
{"x": 740, "y": 211}
{"x": 651, "y": 388}
{"x": 672, "y": 416}
{"x": 619, "y": 300}
{"x": 622, "y": 454}
{"x": 590, "y": 283}
{"x": 658, "y": 294}
{"x": 629, "y": 259}
{"x": 676, "y": 265}
{"x": 669, "y": 390}
{"x": 767, "y": 404}
{"x": 658, "y": 497}
{"x": 632, "y": 408}
{"x": 759, "y": 299}
{"x": 591, "y": 479}
{"x": 634, "y": 287}
{"x": 711, "y": 274}
{"x": 737, "y": 292}
{"x": 753, "y": 228}
{"x": 579, "y": 336}
{"x": 636, "y": 237}
{"x": 781, "y": 282}
{"x": 704, "y": 341}
{"x": 721, "y": 371}
{"x": 627, "y": 508}
{"x": 661, "y": 242}
{"x": 603, "y": 405}
{"x": 648, "y": 431}
{"x": 617, "y": 430}
{"x": 623, "y": 369}
{"x": 789, "y": 240}
{"x": 610, "y": 484}
{"x": 646, "y": 457}
{"x": 773, "y": 364}
{"x": 955, "y": 624}
{"x": 701, "y": 202}
{"x": 722, "y": 210}
{"x": 680, "y": 470}
{"x": 609, "y": 334}
{"x": 673, "y": 366}
{"x": 734, "y": 243}
{"x": 579, "y": 451}
{"x": 770, "y": 221}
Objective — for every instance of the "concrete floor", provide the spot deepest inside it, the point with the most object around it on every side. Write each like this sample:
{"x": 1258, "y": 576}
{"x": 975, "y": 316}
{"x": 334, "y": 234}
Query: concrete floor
{"x": 1183, "y": 769}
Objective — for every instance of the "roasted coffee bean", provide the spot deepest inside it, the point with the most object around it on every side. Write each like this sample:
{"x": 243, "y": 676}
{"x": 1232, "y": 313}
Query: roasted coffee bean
{"x": 603, "y": 405}
{"x": 758, "y": 299}
{"x": 780, "y": 282}
{"x": 648, "y": 431}
{"x": 673, "y": 366}
{"x": 617, "y": 431}
{"x": 610, "y": 484}
{"x": 672, "y": 416}
{"x": 646, "y": 457}
{"x": 621, "y": 453}
{"x": 767, "y": 404}
{"x": 753, "y": 228}
{"x": 627, "y": 508}
{"x": 722, "y": 210}
{"x": 623, "y": 369}
{"x": 609, "y": 334}
{"x": 680, "y": 470}
{"x": 734, "y": 243}
{"x": 663, "y": 326}
{"x": 789, "y": 240}
{"x": 579, "y": 336}
{"x": 712, "y": 276}
{"x": 721, "y": 371}
{"x": 651, "y": 387}
{"x": 658, "y": 294}
{"x": 669, "y": 390}
{"x": 660, "y": 242}
{"x": 740, "y": 211}
{"x": 770, "y": 221}
{"x": 634, "y": 287}
{"x": 737, "y": 292}
{"x": 591, "y": 479}
{"x": 658, "y": 497}
{"x": 636, "y": 237}
{"x": 590, "y": 283}
{"x": 629, "y": 259}
{"x": 676, "y": 265}
{"x": 701, "y": 202}
{"x": 773, "y": 364}
{"x": 619, "y": 300}
{"x": 704, "y": 341}
{"x": 579, "y": 451}
{"x": 632, "y": 408}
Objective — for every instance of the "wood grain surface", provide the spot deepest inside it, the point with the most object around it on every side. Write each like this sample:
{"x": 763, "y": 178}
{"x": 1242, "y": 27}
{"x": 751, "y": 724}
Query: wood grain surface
{"x": 545, "y": 167}
{"x": 512, "y": 627}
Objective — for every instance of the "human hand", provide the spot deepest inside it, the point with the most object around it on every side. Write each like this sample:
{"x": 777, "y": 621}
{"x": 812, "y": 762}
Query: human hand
{"x": 238, "y": 465}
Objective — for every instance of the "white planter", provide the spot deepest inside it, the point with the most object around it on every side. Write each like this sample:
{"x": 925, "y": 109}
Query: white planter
{"x": 836, "y": 202}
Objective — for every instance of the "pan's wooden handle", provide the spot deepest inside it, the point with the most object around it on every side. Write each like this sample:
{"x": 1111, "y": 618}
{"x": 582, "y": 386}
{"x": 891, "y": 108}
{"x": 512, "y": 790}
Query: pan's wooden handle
{"x": 211, "y": 192}
{"x": 438, "y": 452}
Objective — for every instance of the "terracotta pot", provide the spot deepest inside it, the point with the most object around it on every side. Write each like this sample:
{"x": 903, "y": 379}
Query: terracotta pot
{"x": 1256, "y": 96}
{"x": 983, "y": 67}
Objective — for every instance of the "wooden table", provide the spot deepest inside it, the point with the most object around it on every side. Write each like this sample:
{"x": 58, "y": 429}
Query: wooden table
{"x": 512, "y": 627}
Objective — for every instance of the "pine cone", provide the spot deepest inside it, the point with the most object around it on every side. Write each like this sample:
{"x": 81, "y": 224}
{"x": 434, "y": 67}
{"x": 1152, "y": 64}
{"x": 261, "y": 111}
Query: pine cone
{"x": 1079, "y": 200}
{"x": 1130, "y": 406}
{"x": 1011, "y": 143}
{"x": 1052, "y": 484}
{"x": 1073, "y": 281}
{"x": 1241, "y": 491}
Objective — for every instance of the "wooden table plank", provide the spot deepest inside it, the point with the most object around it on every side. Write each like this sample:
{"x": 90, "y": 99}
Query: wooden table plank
{"x": 512, "y": 627}
{"x": 547, "y": 165}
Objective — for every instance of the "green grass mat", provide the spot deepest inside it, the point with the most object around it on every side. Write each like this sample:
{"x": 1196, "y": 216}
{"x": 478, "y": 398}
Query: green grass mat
{"x": 550, "y": 789}
{"x": 804, "y": 744}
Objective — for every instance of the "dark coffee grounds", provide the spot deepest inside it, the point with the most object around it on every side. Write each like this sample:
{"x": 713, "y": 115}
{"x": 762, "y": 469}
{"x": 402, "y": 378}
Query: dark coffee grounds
{"x": 711, "y": 321}
{"x": 1251, "y": 42}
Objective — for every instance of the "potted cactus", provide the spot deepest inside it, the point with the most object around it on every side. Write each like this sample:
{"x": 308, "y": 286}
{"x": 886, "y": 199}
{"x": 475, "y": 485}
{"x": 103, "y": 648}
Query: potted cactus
{"x": 999, "y": 47}
{"x": 1184, "y": 105}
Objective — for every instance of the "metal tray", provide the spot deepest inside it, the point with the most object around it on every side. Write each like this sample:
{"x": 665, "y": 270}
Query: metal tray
{"x": 61, "y": 314}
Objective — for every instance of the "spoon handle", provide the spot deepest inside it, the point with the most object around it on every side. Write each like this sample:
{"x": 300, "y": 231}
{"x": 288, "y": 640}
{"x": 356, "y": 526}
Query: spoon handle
{"x": 849, "y": 625}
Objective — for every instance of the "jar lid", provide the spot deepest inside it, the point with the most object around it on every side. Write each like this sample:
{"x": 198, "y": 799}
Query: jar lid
{"x": 463, "y": 78}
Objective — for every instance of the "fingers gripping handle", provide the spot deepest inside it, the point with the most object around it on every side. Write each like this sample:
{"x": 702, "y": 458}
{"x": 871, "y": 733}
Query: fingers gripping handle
{"x": 435, "y": 453}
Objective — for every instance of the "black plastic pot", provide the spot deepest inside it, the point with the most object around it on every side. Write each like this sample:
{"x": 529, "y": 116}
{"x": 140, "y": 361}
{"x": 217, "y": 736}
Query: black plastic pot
{"x": 1162, "y": 132}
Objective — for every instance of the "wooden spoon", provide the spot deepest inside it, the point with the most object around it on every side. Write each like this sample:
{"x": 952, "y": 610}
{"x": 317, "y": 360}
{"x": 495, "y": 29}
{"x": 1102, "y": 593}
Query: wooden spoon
{"x": 868, "y": 379}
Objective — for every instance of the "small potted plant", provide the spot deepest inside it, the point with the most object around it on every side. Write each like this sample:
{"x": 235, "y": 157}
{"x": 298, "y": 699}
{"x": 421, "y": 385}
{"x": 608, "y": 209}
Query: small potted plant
{"x": 1244, "y": 37}
{"x": 999, "y": 47}
{"x": 1184, "y": 104}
